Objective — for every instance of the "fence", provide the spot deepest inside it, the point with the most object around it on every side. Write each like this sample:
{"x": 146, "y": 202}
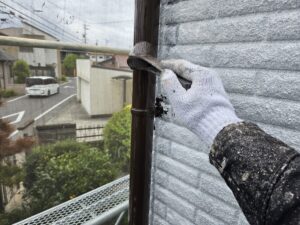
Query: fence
{"x": 95, "y": 207}
{"x": 89, "y": 133}
{"x": 51, "y": 133}
{"x": 57, "y": 132}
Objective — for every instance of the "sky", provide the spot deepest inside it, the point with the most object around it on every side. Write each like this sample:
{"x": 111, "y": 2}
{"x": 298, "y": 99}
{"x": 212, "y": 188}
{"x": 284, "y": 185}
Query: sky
{"x": 109, "y": 22}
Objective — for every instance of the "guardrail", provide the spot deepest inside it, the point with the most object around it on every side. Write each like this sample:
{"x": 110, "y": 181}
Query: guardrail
{"x": 93, "y": 208}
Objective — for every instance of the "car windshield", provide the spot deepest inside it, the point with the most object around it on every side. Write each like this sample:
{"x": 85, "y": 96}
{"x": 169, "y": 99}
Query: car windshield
{"x": 33, "y": 81}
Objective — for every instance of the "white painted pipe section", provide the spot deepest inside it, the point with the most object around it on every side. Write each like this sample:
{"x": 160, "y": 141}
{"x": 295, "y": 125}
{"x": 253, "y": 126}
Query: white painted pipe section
{"x": 35, "y": 43}
{"x": 107, "y": 216}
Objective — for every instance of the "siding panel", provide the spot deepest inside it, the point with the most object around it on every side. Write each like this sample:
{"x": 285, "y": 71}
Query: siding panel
{"x": 255, "y": 47}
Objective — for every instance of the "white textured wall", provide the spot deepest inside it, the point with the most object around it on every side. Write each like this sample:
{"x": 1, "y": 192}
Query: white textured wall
{"x": 98, "y": 92}
{"x": 83, "y": 68}
{"x": 34, "y": 58}
{"x": 85, "y": 95}
{"x": 255, "y": 47}
{"x": 106, "y": 92}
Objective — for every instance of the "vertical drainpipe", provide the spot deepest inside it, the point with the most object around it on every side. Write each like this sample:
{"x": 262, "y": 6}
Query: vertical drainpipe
{"x": 145, "y": 29}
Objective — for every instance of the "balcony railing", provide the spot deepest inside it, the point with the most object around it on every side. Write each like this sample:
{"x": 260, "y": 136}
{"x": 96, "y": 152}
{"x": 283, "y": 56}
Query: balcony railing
{"x": 95, "y": 207}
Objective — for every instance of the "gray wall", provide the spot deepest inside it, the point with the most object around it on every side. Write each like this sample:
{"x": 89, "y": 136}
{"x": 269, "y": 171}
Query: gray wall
{"x": 56, "y": 132}
{"x": 255, "y": 47}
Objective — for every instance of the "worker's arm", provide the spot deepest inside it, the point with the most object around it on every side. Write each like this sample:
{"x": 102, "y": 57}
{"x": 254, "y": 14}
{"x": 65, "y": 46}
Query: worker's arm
{"x": 262, "y": 172}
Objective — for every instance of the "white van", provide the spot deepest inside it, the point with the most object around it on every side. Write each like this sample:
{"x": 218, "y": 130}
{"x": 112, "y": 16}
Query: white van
{"x": 41, "y": 86}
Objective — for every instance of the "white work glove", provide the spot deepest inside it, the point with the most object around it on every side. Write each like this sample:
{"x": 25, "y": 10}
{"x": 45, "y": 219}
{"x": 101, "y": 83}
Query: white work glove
{"x": 204, "y": 108}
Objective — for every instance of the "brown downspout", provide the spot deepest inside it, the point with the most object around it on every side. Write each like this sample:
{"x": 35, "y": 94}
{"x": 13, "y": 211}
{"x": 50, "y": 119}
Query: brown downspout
{"x": 146, "y": 29}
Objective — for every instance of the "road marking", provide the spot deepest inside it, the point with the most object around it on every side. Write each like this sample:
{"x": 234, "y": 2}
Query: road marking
{"x": 15, "y": 99}
{"x": 53, "y": 107}
{"x": 13, "y": 133}
{"x": 19, "y": 118}
{"x": 68, "y": 87}
{"x": 66, "y": 83}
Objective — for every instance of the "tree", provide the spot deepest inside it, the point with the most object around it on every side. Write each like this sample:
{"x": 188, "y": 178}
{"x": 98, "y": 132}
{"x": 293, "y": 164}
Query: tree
{"x": 20, "y": 71}
{"x": 117, "y": 134}
{"x": 69, "y": 64}
{"x": 14, "y": 216}
{"x": 59, "y": 172}
{"x": 10, "y": 174}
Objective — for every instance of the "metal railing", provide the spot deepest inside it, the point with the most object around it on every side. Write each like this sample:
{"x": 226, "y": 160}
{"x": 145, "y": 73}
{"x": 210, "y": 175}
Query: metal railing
{"x": 89, "y": 133}
{"x": 93, "y": 208}
{"x": 35, "y": 43}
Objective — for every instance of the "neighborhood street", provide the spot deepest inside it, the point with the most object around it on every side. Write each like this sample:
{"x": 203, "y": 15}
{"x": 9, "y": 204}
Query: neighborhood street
{"x": 23, "y": 109}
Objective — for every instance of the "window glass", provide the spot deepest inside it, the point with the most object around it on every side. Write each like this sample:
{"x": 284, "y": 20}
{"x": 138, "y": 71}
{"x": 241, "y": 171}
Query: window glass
{"x": 33, "y": 81}
{"x": 72, "y": 141}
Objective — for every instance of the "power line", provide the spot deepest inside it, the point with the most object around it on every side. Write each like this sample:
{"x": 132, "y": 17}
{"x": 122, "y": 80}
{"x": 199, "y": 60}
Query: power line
{"x": 89, "y": 21}
{"x": 64, "y": 17}
{"x": 48, "y": 25}
{"x": 71, "y": 13}
{"x": 71, "y": 36}
{"x": 64, "y": 9}
{"x": 110, "y": 22}
{"x": 44, "y": 27}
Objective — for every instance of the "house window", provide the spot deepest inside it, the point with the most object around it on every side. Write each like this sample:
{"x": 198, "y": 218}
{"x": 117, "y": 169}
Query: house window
{"x": 26, "y": 49}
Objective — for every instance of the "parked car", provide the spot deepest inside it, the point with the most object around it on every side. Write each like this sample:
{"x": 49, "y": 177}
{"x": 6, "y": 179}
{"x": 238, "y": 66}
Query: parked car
{"x": 41, "y": 86}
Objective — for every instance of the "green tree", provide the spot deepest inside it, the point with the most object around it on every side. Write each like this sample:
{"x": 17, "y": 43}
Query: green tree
{"x": 69, "y": 64}
{"x": 117, "y": 136}
{"x": 14, "y": 216}
{"x": 10, "y": 174}
{"x": 20, "y": 71}
{"x": 59, "y": 172}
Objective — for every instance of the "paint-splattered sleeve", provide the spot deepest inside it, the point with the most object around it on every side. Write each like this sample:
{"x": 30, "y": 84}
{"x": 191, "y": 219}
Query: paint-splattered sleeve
{"x": 262, "y": 172}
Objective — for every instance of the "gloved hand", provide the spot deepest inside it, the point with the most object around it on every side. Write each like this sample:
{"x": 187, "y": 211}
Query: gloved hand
{"x": 204, "y": 108}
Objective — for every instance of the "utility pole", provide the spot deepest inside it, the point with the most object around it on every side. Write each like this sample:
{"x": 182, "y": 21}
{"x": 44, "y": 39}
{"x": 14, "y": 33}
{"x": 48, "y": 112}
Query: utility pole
{"x": 85, "y": 28}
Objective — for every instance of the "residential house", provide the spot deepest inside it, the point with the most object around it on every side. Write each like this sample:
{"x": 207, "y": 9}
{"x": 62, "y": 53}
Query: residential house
{"x": 42, "y": 62}
{"x": 6, "y": 76}
{"x": 98, "y": 58}
{"x": 104, "y": 87}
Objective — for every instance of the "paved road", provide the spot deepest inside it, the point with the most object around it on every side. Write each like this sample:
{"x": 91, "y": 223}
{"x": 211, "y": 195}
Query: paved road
{"x": 35, "y": 108}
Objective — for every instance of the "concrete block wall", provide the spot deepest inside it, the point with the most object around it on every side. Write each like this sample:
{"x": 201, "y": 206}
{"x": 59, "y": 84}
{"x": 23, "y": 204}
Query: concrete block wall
{"x": 255, "y": 47}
